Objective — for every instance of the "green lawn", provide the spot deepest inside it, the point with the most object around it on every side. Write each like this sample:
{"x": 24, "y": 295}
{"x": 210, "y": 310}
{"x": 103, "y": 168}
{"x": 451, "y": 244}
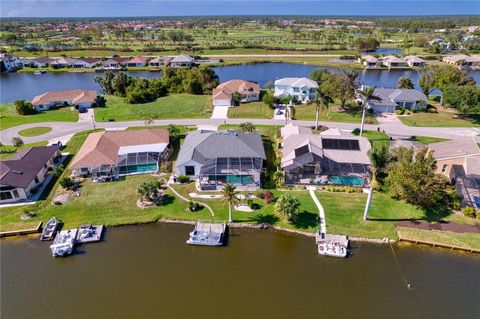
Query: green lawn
{"x": 10, "y": 118}
{"x": 377, "y": 139}
{"x": 440, "y": 119}
{"x": 253, "y": 110}
{"x": 8, "y": 151}
{"x": 466, "y": 240}
{"x": 174, "y": 106}
{"x": 34, "y": 131}
{"x": 307, "y": 113}
{"x": 428, "y": 139}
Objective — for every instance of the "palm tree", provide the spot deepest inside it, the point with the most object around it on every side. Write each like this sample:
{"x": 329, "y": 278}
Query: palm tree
{"x": 247, "y": 127}
{"x": 230, "y": 198}
{"x": 288, "y": 206}
{"x": 379, "y": 157}
{"x": 323, "y": 103}
{"x": 278, "y": 178}
{"x": 367, "y": 94}
{"x": 289, "y": 113}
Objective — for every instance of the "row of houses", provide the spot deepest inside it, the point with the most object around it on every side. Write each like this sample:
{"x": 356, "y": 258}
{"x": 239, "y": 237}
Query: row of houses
{"x": 216, "y": 158}
{"x": 181, "y": 61}
{"x": 391, "y": 61}
{"x": 463, "y": 60}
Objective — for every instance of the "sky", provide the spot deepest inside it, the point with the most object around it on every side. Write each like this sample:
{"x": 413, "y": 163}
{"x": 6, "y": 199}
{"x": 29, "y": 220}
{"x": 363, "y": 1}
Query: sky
{"x": 122, "y": 8}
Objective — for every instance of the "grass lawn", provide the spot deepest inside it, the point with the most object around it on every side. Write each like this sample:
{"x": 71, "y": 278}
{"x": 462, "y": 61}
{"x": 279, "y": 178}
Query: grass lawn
{"x": 467, "y": 240}
{"x": 252, "y": 110}
{"x": 428, "y": 139}
{"x": 377, "y": 139}
{"x": 307, "y": 113}
{"x": 34, "y": 131}
{"x": 174, "y": 106}
{"x": 10, "y": 118}
{"x": 440, "y": 119}
{"x": 8, "y": 151}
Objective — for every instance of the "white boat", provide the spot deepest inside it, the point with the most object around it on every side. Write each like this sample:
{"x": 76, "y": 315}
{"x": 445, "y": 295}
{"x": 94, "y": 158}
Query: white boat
{"x": 207, "y": 234}
{"x": 64, "y": 243}
{"x": 332, "y": 245}
{"x": 39, "y": 72}
{"x": 50, "y": 229}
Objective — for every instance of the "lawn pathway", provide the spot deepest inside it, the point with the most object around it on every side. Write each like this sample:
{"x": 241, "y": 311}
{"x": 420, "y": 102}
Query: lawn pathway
{"x": 187, "y": 200}
{"x": 321, "y": 211}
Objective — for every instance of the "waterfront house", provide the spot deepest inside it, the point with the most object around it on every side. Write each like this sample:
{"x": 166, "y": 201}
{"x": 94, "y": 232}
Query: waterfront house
{"x": 40, "y": 62}
{"x": 121, "y": 61}
{"x": 110, "y": 154}
{"x": 223, "y": 94}
{"x": 415, "y": 61}
{"x": 332, "y": 157}
{"x": 392, "y": 99}
{"x": 9, "y": 63}
{"x": 459, "y": 161}
{"x": 302, "y": 90}
{"x": 391, "y": 61}
{"x": 110, "y": 63}
{"x": 370, "y": 62}
{"x": 182, "y": 61}
{"x": 21, "y": 176}
{"x": 463, "y": 60}
{"x": 160, "y": 61}
{"x": 217, "y": 158}
{"x": 65, "y": 62}
{"x": 82, "y": 98}
{"x": 138, "y": 61}
{"x": 89, "y": 62}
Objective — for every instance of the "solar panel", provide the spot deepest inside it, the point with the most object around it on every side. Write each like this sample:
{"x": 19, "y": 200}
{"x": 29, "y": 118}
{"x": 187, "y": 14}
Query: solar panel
{"x": 301, "y": 151}
{"x": 340, "y": 144}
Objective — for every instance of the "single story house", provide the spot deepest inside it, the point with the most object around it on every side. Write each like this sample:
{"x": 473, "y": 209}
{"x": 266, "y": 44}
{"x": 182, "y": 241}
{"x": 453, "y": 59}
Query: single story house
{"x": 459, "y": 161}
{"x": 9, "y": 63}
{"x": 110, "y": 154}
{"x": 223, "y": 93}
{"x": 392, "y": 99}
{"x": 463, "y": 60}
{"x": 65, "y": 63}
{"x": 182, "y": 61}
{"x": 110, "y": 63}
{"x": 219, "y": 158}
{"x": 90, "y": 62}
{"x": 391, "y": 61}
{"x": 415, "y": 61}
{"x": 20, "y": 176}
{"x": 160, "y": 61}
{"x": 82, "y": 98}
{"x": 137, "y": 61}
{"x": 370, "y": 62}
{"x": 40, "y": 62}
{"x": 334, "y": 157}
{"x": 122, "y": 61}
{"x": 302, "y": 90}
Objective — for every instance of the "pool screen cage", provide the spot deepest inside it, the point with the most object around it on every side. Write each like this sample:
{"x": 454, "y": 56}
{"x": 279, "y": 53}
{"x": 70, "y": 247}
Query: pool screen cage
{"x": 237, "y": 170}
{"x": 104, "y": 171}
{"x": 133, "y": 162}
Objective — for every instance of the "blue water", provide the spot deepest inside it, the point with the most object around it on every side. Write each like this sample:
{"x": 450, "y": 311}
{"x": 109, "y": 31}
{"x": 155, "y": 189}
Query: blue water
{"x": 18, "y": 86}
{"x": 347, "y": 180}
{"x": 386, "y": 51}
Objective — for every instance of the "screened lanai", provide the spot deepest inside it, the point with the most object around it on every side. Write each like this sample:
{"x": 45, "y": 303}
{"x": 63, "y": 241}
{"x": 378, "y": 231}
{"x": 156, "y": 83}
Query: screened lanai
{"x": 138, "y": 162}
{"x": 240, "y": 171}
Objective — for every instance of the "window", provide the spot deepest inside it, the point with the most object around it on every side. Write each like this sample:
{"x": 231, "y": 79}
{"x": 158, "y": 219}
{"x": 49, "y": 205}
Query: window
{"x": 296, "y": 89}
{"x": 36, "y": 180}
{"x": 189, "y": 170}
{"x": 5, "y": 195}
{"x": 444, "y": 168}
{"x": 15, "y": 193}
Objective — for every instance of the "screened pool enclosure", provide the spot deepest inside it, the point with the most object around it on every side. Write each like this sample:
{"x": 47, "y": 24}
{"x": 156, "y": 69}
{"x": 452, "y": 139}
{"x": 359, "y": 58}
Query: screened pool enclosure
{"x": 240, "y": 171}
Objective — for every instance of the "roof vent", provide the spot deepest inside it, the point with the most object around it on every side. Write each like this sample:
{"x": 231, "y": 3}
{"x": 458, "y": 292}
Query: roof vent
{"x": 17, "y": 172}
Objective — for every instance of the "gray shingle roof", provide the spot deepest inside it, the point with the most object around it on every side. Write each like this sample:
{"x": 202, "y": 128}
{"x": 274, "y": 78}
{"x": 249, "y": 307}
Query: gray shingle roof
{"x": 201, "y": 145}
{"x": 390, "y": 96}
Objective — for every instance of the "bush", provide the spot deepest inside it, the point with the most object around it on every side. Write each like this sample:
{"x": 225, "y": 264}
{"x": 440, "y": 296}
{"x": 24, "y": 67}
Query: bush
{"x": 356, "y": 131}
{"x": 25, "y": 108}
{"x": 17, "y": 141}
{"x": 342, "y": 189}
{"x": 194, "y": 206}
{"x": 468, "y": 211}
{"x": 183, "y": 179}
{"x": 100, "y": 101}
{"x": 267, "y": 196}
{"x": 67, "y": 183}
{"x": 259, "y": 194}
{"x": 400, "y": 111}
{"x": 432, "y": 109}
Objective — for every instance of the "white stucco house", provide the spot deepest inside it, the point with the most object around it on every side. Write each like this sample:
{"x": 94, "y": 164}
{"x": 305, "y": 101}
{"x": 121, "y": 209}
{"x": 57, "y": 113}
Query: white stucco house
{"x": 82, "y": 98}
{"x": 302, "y": 90}
{"x": 392, "y": 99}
{"x": 9, "y": 62}
{"x": 182, "y": 61}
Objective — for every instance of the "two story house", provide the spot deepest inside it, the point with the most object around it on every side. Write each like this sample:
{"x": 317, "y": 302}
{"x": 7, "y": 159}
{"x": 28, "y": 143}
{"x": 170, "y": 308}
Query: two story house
{"x": 301, "y": 90}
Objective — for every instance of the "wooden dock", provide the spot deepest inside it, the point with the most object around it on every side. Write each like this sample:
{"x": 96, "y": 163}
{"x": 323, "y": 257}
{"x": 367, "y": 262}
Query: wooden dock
{"x": 21, "y": 232}
{"x": 433, "y": 244}
{"x": 89, "y": 234}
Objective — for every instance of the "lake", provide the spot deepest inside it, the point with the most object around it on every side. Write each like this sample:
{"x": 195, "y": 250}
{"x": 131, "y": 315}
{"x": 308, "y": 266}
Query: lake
{"x": 149, "y": 272}
{"x": 17, "y": 86}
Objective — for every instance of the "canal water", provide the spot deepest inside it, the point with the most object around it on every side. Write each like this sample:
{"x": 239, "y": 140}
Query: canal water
{"x": 149, "y": 272}
{"x": 17, "y": 86}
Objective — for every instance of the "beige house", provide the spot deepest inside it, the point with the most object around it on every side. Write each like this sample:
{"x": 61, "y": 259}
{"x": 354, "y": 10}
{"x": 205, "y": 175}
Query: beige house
{"x": 82, "y": 98}
{"x": 223, "y": 94}
{"x": 20, "y": 176}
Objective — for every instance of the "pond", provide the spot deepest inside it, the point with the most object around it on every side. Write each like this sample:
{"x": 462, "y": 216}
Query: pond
{"x": 17, "y": 86}
{"x": 149, "y": 272}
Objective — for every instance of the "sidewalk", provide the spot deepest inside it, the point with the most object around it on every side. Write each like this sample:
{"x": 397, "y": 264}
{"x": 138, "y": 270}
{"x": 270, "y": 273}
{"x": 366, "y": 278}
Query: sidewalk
{"x": 321, "y": 211}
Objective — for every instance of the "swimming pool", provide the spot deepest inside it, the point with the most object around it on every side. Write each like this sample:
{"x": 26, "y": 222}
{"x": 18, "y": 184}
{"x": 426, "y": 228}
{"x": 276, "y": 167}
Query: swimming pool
{"x": 346, "y": 180}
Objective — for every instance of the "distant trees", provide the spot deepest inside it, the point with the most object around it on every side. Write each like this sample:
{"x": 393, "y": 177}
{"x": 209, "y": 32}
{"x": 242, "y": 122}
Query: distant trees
{"x": 339, "y": 85}
{"x": 405, "y": 83}
{"x": 465, "y": 98}
{"x": 24, "y": 107}
{"x": 366, "y": 44}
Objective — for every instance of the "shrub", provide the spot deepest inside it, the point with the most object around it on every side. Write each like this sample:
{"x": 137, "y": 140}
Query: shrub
{"x": 25, "y": 107}
{"x": 259, "y": 194}
{"x": 183, "y": 179}
{"x": 468, "y": 211}
{"x": 67, "y": 183}
{"x": 17, "y": 141}
{"x": 267, "y": 196}
{"x": 100, "y": 101}
{"x": 399, "y": 112}
{"x": 194, "y": 206}
{"x": 356, "y": 131}
{"x": 432, "y": 109}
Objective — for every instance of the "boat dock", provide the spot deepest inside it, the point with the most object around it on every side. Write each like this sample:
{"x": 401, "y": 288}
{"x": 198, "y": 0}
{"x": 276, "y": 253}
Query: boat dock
{"x": 207, "y": 234}
{"x": 64, "y": 242}
{"x": 88, "y": 233}
{"x": 331, "y": 245}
